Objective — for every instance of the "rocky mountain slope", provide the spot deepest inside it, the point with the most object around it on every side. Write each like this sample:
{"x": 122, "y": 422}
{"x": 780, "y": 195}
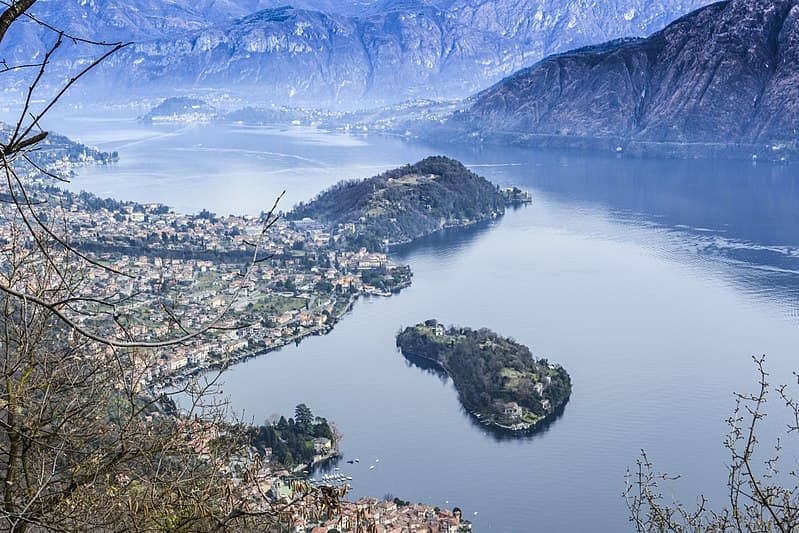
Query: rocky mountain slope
{"x": 550, "y": 27}
{"x": 285, "y": 53}
{"x": 384, "y": 50}
{"x": 727, "y": 73}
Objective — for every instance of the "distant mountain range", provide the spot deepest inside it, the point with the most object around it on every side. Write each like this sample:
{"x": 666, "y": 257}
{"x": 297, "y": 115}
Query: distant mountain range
{"x": 331, "y": 50}
{"x": 725, "y": 74}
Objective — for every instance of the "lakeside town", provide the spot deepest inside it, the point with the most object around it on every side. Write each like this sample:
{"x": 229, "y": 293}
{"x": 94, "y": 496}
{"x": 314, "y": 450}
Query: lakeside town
{"x": 394, "y": 516}
{"x": 297, "y": 497}
{"x": 270, "y": 288}
{"x": 264, "y": 281}
{"x": 296, "y": 282}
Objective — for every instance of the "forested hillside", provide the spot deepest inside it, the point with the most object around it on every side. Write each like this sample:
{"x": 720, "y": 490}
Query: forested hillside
{"x": 404, "y": 204}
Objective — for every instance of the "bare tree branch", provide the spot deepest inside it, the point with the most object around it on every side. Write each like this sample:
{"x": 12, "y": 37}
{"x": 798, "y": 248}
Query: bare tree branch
{"x": 12, "y": 13}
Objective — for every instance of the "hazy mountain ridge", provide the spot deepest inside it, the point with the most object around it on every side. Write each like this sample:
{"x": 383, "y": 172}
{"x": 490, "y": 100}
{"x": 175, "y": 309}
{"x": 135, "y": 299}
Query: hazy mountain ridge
{"x": 727, "y": 73}
{"x": 285, "y": 52}
{"x": 553, "y": 27}
{"x": 384, "y": 50}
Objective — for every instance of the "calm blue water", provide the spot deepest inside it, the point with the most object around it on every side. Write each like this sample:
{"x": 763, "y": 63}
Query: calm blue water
{"x": 653, "y": 282}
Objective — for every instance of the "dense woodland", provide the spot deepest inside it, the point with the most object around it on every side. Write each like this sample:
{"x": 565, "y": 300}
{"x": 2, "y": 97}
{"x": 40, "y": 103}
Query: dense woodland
{"x": 404, "y": 204}
{"x": 488, "y": 370}
{"x": 291, "y": 441}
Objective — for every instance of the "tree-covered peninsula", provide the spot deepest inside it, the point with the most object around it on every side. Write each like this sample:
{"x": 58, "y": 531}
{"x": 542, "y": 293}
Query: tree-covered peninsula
{"x": 498, "y": 380}
{"x": 406, "y": 203}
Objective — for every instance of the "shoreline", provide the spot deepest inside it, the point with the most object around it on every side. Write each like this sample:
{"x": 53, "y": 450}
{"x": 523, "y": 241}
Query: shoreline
{"x": 620, "y": 146}
{"x": 461, "y": 225}
{"x": 394, "y": 245}
{"x": 481, "y": 419}
{"x": 181, "y": 376}
{"x": 777, "y": 152}
{"x": 234, "y": 359}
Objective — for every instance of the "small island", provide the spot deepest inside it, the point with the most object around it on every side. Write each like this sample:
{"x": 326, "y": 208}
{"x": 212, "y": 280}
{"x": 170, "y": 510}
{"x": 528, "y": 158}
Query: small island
{"x": 407, "y": 203}
{"x": 498, "y": 380}
{"x": 180, "y": 109}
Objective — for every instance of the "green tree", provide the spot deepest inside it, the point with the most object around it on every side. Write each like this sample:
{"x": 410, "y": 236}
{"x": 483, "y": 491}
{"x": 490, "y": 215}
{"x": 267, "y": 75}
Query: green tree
{"x": 303, "y": 417}
{"x": 282, "y": 424}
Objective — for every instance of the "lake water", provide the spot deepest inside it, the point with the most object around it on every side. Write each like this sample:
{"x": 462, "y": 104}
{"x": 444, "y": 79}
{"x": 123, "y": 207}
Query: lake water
{"x": 653, "y": 282}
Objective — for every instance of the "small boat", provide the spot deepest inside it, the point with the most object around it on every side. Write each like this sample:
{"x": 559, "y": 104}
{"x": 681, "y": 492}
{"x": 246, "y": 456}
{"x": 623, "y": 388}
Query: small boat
{"x": 377, "y": 460}
{"x": 357, "y": 460}
{"x": 372, "y": 467}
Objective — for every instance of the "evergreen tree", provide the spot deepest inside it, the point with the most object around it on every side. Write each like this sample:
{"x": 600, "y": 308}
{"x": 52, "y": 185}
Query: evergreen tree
{"x": 303, "y": 417}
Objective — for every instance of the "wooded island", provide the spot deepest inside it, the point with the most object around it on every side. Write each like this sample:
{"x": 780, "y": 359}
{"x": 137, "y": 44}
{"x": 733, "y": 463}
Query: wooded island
{"x": 498, "y": 380}
{"x": 407, "y": 203}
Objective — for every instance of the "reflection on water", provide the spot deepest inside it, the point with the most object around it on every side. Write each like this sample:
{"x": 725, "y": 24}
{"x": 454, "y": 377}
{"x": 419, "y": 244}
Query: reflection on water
{"x": 329, "y": 466}
{"x": 740, "y": 214}
{"x": 498, "y": 434}
{"x": 445, "y": 242}
{"x": 427, "y": 366}
{"x": 653, "y": 282}
{"x": 746, "y": 212}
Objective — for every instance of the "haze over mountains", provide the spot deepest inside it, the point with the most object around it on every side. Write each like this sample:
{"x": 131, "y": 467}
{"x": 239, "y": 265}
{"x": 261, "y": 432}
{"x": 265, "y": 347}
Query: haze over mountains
{"x": 332, "y": 50}
{"x": 728, "y": 73}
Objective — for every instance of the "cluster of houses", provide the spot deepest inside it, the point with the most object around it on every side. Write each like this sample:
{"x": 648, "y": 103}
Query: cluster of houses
{"x": 195, "y": 265}
{"x": 273, "y": 484}
{"x": 365, "y": 514}
{"x": 389, "y": 517}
